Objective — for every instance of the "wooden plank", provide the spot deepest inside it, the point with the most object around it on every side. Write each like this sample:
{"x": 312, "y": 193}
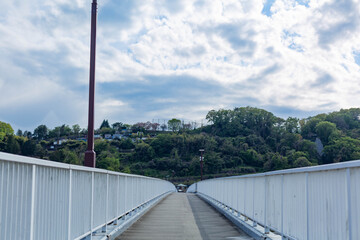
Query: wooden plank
{"x": 182, "y": 216}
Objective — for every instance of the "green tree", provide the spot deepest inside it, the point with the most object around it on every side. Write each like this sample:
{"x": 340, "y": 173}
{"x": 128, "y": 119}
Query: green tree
{"x": 213, "y": 163}
{"x": 143, "y": 152}
{"x": 65, "y": 130}
{"x": 174, "y": 124}
{"x": 41, "y": 132}
{"x": 292, "y": 125}
{"x": 27, "y": 134}
{"x": 252, "y": 158}
{"x": 66, "y": 156}
{"x": 60, "y": 131}
{"x": 126, "y": 144}
{"x": 19, "y": 133}
{"x": 100, "y": 146}
{"x": 76, "y": 129}
{"x": 41, "y": 152}
{"x": 28, "y": 148}
{"x": 117, "y": 126}
{"x": 5, "y": 129}
{"x": 12, "y": 145}
{"x": 342, "y": 149}
{"x": 324, "y": 130}
{"x": 308, "y": 126}
{"x": 105, "y": 124}
{"x": 163, "y": 127}
{"x": 302, "y": 162}
{"x": 104, "y": 131}
{"x": 108, "y": 161}
{"x": 276, "y": 162}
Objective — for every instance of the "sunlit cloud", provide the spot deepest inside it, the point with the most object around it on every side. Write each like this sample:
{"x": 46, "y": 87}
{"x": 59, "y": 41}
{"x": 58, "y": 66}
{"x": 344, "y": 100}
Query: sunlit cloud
{"x": 164, "y": 59}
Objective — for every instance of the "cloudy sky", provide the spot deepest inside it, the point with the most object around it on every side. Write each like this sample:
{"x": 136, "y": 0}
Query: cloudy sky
{"x": 176, "y": 58}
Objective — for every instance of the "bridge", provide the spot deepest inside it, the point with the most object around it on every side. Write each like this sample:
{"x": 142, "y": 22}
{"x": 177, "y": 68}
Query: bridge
{"x": 42, "y": 200}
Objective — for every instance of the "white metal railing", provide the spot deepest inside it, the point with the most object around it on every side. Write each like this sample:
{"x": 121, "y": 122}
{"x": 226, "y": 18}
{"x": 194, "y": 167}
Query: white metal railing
{"x": 312, "y": 203}
{"x": 42, "y": 200}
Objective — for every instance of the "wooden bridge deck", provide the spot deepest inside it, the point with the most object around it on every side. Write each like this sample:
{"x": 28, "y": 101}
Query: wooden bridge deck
{"x": 183, "y": 216}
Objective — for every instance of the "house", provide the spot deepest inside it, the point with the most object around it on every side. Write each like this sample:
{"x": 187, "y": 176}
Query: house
{"x": 117, "y": 136}
{"x": 97, "y": 136}
{"x": 60, "y": 141}
{"x": 108, "y": 136}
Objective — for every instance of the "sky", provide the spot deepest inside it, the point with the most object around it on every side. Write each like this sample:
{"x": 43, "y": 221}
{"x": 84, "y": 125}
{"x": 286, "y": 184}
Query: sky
{"x": 163, "y": 59}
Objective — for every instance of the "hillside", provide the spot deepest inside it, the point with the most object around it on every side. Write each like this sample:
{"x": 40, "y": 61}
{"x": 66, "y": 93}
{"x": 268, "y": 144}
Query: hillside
{"x": 238, "y": 141}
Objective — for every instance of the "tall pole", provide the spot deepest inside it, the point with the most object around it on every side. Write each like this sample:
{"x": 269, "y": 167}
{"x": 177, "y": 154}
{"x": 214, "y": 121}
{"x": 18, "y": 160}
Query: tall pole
{"x": 201, "y": 163}
{"x": 90, "y": 156}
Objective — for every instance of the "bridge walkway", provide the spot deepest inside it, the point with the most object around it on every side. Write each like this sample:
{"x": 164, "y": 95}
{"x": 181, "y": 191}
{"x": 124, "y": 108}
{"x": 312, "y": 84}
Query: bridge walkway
{"x": 183, "y": 216}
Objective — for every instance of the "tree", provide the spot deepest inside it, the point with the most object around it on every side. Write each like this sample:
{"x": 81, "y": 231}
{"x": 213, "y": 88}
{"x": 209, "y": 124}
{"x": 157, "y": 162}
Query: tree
{"x": 28, "y": 148}
{"x": 126, "y": 144}
{"x": 276, "y": 162}
{"x": 104, "y": 131}
{"x": 292, "y": 125}
{"x": 143, "y": 152}
{"x": 105, "y": 124}
{"x": 213, "y": 163}
{"x": 308, "y": 126}
{"x": 342, "y": 149}
{"x": 5, "y": 129}
{"x": 65, "y": 130}
{"x": 54, "y": 133}
{"x": 174, "y": 124}
{"x": 163, "y": 127}
{"x": 186, "y": 126}
{"x": 27, "y": 134}
{"x": 155, "y": 126}
{"x": 302, "y": 162}
{"x": 324, "y": 130}
{"x": 12, "y": 146}
{"x": 138, "y": 127}
{"x": 117, "y": 126}
{"x": 60, "y": 131}
{"x": 148, "y": 125}
{"x": 65, "y": 156}
{"x": 19, "y": 133}
{"x": 108, "y": 161}
{"x": 76, "y": 129}
{"x": 41, "y": 132}
{"x": 101, "y": 146}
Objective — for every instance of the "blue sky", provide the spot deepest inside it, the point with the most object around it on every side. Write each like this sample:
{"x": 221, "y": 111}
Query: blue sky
{"x": 174, "y": 58}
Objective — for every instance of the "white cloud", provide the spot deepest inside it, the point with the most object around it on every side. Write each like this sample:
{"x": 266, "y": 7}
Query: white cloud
{"x": 301, "y": 57}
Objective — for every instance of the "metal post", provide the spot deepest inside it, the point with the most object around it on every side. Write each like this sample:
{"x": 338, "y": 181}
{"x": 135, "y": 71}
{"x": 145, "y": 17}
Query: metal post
{"x": 307, "y": 206}
{"x": 125, "y": 198}
{"x": 92, "y": 205}
{"x": 70, "y": 204}
{"x": 348, "y": 182}
{"x": 266, "y": 228}
{"x": 282, "y": 207}
{"x": 90, "y": 156}
{"x": 201, "y": 163}
{"x": 104, "y": 229}
{"x": 32, "y": 209}
{"x": 254, "y": 221}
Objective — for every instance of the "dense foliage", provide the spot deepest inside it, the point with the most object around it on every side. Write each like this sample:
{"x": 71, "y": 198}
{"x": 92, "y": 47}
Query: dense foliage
{"x": 242, "y": 140}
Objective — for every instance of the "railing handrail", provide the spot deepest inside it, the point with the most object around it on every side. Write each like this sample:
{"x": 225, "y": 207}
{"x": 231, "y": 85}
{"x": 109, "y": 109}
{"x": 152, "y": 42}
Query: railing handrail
{"x": 41, "y": 199}
{"x": 47, "y": 163}
{"x": 325, "y": 167}
{"x": 318, "y": 202}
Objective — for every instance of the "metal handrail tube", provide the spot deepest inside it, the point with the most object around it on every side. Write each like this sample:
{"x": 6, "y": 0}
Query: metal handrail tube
{"x": 320, "y": 202}
{"x": 48, "y": 200}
